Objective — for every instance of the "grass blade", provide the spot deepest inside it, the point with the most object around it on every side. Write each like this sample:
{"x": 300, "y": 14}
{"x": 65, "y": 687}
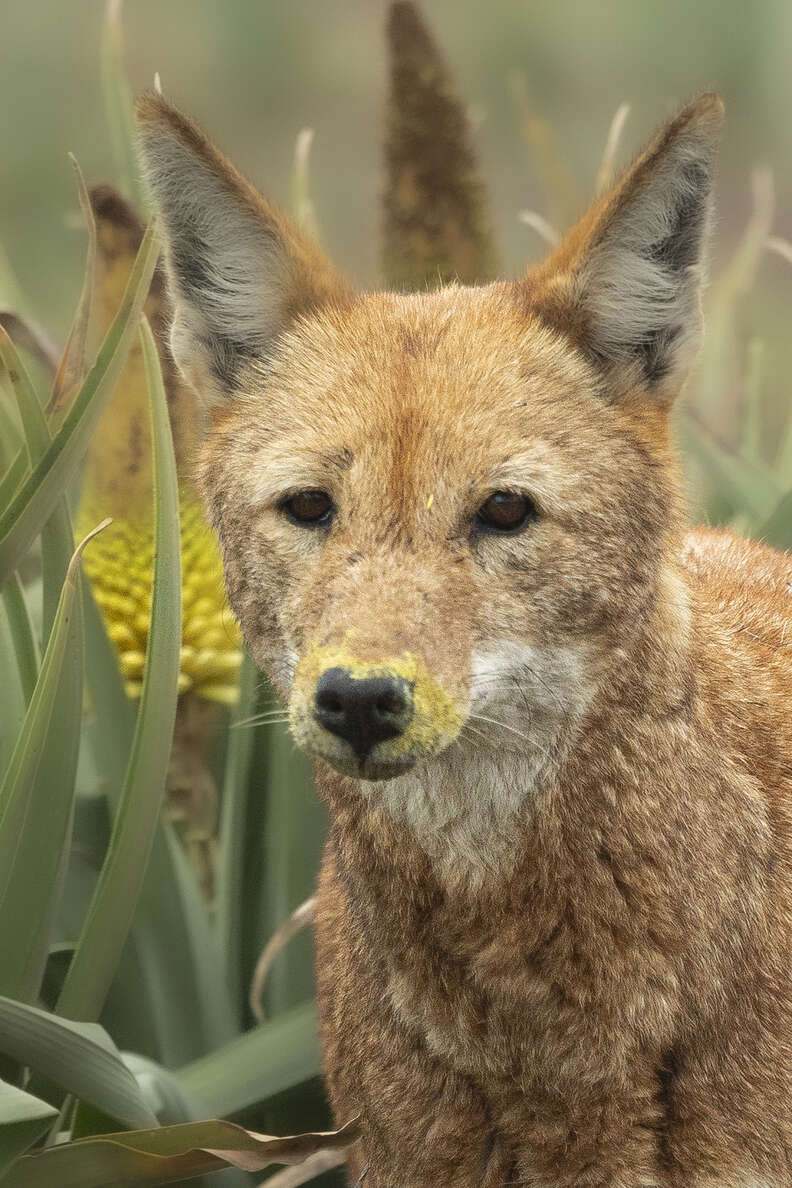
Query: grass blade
{"x": 301, "y": 204}
{"x": 72, "y": 364}
{"x": 119, "y": 108}
{"x": 36, "y": 499}
{"x": 233, "y": 824}
{"x": 257, "y": 1065}
{"x": 113, "y": 906}
{"x": 57, "y": 539}
{"x": 36, "y": 800}
{"x": 79, "y": 1057}
{"x": 25, "y": 650}
{"x": 13, "y": 704}
{"x": 23, "y": 1120}
{"x": 183, "y": 983}
{"x": 289, "y": 852}
{"x": 606, "y": 171}
{"x": 13, "y": 477}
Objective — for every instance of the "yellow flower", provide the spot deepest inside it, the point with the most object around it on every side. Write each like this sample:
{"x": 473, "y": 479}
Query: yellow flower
{"x": 117, "y": 482}
{"x": 120, "y": 572}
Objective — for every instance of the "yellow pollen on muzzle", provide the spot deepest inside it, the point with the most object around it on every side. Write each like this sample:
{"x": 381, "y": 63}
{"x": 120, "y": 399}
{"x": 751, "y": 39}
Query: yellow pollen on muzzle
{"x": 436, "y": 719}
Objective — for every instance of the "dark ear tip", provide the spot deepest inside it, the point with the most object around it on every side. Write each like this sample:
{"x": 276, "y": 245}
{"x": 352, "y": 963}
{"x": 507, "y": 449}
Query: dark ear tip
{"x": 150, "y": 107}
{"x": 111, "y": 207}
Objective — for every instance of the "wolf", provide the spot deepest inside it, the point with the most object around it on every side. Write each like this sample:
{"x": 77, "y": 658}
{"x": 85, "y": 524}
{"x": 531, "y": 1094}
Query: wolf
{"x": 551, "y": 723}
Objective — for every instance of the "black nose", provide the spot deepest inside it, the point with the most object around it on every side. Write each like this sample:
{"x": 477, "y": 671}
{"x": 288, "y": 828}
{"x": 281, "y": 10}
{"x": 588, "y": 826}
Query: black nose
{"x": 364, "y": 711}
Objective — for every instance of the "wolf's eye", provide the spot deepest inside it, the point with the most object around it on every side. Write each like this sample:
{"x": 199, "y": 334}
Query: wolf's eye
{"x": 312, "y": 508}
{"x": 505, "y": 511}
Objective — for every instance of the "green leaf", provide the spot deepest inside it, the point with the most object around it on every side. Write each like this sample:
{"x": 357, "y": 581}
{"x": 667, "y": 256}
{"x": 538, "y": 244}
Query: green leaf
{"x": 36, "y": 799}
{"x": 267, "y": 1060}
{"x": 13, "y": 702}
{"x": 170, "y": 1153}
{"x": 57, "y": 539}
{"x": 113, "y": 711}
{"x": 113, "y": 906}
{"x": 180, "y": 975}
{"x": 25, "y": 650}
{"x": 23, "y": 1119}
{"x": 119, "y": 108}
{"x": 288, "y": 850}
{"x": 302, "y": 206}
{"x": 79, "y": 1057}
{"x": 15, "y": 474}
{"x": 35, "y": 500}
{"x": 72, "y": 365}
{"x": 233, "y": 825}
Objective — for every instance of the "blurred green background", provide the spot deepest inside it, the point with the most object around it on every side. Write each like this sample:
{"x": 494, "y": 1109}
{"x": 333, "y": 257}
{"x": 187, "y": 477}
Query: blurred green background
{"x": 254, "y": 72}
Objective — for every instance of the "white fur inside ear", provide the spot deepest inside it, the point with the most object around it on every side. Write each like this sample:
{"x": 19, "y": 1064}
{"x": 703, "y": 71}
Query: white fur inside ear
{"x": 640, "y": 282}
{"x": 228, "y": 269}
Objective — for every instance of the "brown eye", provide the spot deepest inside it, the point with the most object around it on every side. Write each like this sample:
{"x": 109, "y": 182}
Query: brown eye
{"x": 505, "y": 511}
{"x": 312, "y": 508}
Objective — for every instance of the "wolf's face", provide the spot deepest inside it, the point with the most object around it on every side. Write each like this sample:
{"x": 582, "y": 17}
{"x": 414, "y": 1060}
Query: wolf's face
{"x": 428, "y": 523}
{"x": 441, "y": 515}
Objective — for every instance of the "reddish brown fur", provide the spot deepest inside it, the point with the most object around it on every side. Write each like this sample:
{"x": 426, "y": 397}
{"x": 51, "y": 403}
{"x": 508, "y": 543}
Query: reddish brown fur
{"x": 593, "y": 986}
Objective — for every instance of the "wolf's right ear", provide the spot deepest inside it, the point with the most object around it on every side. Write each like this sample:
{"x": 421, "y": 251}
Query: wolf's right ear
{"x": 239, "y": 270}
{"x": 625, "y": 282}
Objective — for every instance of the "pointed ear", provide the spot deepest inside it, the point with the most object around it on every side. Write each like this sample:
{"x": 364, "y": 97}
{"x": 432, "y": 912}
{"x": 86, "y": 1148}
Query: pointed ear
{"x": 239, "y": 270}
{"x": 626, "y": 281}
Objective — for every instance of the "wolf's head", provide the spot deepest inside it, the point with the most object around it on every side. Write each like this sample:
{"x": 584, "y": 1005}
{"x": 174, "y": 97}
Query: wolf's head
{"x": 443, "y": 516}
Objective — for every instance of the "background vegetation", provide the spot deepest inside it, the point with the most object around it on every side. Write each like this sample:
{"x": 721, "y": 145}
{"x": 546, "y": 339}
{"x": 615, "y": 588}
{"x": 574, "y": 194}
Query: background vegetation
{"x": 165, "y": 962}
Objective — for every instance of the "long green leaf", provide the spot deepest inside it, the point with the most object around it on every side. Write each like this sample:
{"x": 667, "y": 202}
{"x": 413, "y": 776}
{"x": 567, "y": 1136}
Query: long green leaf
{"x": 10, "y": 437}
{"x": 113, "y": 906}
{"x": 233, "y": 824}
{"x": 79, "y": 1057}
{"x": 259, "y": 1064}
{"x": 72, "y": 365}
{"x": 288, "y": 850}
{"x": 169, "y": 1154}
{"x": 180, "y": 977}
{"x": 13, "y": 698}
{"x": 36, "y": 799}
{"x": 15, "y": 474}
{"x": 57, "y": 539}
{"x": 119, "y": 108}
{"x": 35, "y": 500}
{"x": 23, "y": 1119}
{"x": 27, "y": 660}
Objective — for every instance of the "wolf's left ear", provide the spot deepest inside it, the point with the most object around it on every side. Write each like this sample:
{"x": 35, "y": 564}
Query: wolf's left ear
{"x": 239, "y": 270}
{"x": 625, "y": 283}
